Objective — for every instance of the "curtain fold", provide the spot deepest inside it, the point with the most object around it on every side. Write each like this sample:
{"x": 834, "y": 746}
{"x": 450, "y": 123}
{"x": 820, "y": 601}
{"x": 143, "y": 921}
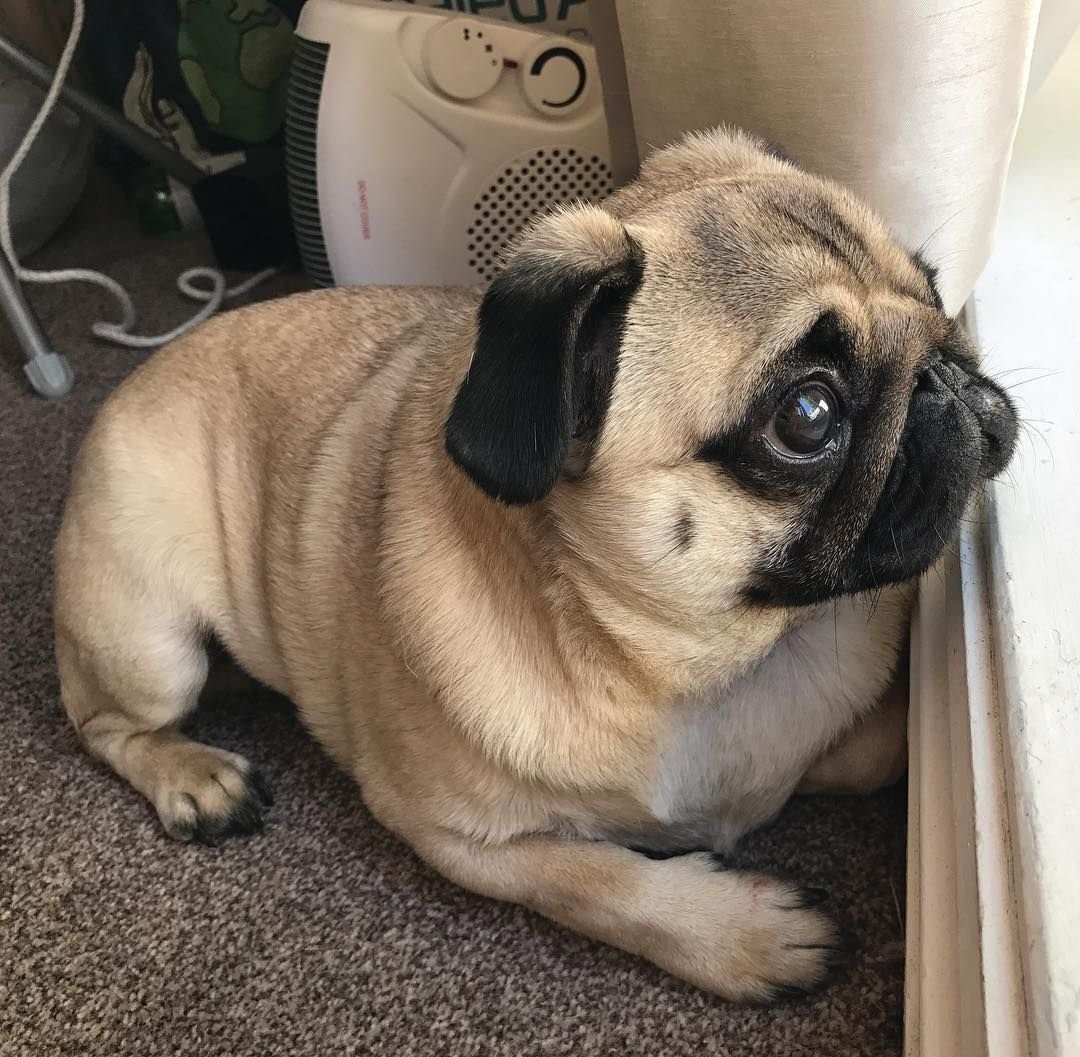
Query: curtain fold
{"x": 913, "y": 104}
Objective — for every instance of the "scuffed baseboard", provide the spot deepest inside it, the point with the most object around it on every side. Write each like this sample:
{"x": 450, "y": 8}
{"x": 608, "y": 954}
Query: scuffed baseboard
{"x": 965, "y": 994}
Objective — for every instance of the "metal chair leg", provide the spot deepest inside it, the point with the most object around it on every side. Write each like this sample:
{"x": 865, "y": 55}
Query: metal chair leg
{"x": 49, "y": 372}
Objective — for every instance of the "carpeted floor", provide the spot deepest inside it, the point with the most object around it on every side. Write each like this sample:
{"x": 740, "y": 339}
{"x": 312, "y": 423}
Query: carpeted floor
{"x": 322, "y": 936}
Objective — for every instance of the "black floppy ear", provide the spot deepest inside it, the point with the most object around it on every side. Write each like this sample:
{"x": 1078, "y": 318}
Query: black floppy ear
{"x": 546, "y": 353}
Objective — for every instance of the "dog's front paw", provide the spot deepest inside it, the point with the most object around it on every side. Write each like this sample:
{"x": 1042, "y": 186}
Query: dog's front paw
{"x": 747, "y": 937}
{"x": 796, "y": 947}
{"x": 206, "y": 794}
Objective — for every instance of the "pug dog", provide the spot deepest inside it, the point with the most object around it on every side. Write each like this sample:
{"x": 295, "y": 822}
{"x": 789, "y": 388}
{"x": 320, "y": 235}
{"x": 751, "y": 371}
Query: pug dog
{"x": 574, "y": 574}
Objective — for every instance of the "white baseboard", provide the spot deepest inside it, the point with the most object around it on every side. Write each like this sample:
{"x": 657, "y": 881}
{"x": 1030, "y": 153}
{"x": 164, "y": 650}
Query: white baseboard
{"x": 965, "y": 994}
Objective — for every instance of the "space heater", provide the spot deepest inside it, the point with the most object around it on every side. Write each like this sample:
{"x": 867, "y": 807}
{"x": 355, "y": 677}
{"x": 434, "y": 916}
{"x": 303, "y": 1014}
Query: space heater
{"x": 419, "y": 142}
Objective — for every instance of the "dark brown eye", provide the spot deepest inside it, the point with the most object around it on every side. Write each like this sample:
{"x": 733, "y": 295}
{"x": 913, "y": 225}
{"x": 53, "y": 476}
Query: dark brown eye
{"x": 805, "y": 422}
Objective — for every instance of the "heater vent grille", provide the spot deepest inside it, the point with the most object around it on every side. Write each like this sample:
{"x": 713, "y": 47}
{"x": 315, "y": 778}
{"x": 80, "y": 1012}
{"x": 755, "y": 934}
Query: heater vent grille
{"x": 301, "y": 137}
{"x": 529, "y": 185}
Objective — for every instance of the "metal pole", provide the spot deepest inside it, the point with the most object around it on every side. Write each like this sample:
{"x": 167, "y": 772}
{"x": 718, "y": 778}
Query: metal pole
{"x": 49, "y": 372}
{"x": 97, "y": 113}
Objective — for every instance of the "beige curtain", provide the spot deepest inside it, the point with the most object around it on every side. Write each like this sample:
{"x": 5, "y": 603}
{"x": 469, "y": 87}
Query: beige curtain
{"x": 912, "y": 103}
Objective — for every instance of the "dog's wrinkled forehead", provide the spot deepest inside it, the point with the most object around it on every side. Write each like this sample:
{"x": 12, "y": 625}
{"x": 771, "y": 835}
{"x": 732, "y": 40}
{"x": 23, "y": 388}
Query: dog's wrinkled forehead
{"x": 796, "y": 233}
{"x": 758, "y": 225}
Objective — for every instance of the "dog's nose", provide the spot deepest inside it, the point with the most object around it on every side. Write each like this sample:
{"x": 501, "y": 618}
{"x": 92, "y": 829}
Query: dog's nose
{"x": 944, "y": 380}
{"x": 999, "y": 424}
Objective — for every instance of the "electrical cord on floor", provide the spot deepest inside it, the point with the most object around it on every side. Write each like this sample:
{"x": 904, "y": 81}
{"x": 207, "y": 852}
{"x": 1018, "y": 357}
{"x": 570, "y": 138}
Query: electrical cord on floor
{"x": 190, "y": 283}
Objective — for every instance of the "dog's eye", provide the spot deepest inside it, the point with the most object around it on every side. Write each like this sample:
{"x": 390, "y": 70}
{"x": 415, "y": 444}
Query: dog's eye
{"x": 805, "y": 421}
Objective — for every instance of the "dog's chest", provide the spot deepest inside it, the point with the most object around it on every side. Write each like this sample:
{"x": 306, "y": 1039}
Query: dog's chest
{"x": 731, "y": 758}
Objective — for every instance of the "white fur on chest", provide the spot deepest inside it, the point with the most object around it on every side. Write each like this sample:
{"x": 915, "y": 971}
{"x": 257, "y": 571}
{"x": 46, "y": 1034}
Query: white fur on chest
{"x": 731, "y": 758}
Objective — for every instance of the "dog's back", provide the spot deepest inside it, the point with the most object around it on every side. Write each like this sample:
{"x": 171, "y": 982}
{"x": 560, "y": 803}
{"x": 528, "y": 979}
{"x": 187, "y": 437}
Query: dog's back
{"x": 198, "y": 460}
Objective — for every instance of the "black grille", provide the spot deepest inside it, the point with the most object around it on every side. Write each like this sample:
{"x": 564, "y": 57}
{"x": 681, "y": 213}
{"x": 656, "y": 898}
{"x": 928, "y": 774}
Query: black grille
{"x": 530, "y": 185}
{"x": 301, "y": 138}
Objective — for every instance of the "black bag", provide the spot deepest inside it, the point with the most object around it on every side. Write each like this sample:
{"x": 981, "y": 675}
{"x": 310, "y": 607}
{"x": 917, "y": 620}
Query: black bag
{"x": 207, "y": 76}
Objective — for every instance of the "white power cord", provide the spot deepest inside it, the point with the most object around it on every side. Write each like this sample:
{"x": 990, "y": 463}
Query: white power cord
{"x": 188, "y": 282}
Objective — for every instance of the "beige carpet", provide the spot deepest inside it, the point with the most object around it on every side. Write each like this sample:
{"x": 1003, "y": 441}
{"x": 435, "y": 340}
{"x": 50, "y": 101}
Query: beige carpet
{"x": 321, "y": 936}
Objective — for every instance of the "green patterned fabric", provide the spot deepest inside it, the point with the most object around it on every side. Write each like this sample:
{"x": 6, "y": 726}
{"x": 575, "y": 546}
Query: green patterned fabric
{"x": 207, "y": 76}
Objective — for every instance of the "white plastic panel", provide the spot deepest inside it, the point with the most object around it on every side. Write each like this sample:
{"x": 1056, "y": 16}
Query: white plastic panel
{"x": 402, "y": 165}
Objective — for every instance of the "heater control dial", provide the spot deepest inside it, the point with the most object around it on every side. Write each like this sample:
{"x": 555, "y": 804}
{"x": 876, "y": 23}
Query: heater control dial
{"x": 463, "y": 58}
{"x": 554, "y": 78}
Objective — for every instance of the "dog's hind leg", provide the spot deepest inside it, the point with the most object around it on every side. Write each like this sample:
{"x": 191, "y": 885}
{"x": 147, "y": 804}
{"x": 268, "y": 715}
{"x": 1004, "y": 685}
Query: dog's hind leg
{"x": 131, "y": 650}
{"x": 870, "y": 756}
{"x": 131, "y": 669}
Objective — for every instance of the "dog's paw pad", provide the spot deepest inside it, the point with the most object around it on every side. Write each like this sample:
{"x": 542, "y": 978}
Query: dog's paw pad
{"x": 796, "y": 947}
{"x": 207, "y": 794}
{"x": 807, "y": 949}
{"x": 806, "y": 897}
{"x": 786, "y": 993}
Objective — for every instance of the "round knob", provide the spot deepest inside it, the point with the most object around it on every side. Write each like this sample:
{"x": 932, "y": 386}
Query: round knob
{"x": 462, "y": 60}
{"x": 554, "y": 79}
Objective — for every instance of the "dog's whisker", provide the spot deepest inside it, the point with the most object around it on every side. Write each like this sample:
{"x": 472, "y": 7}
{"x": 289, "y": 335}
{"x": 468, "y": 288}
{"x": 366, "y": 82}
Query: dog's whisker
{"x": 1029, "y": 381}
{"x": 940, "y": 228}
{"x": 1030, "y": 431}
{"x": 998, "y": 375}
